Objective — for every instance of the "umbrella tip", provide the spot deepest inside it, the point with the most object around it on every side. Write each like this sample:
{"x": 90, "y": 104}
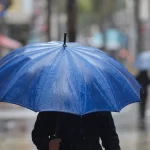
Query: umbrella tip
{"x": 65, "y": 35}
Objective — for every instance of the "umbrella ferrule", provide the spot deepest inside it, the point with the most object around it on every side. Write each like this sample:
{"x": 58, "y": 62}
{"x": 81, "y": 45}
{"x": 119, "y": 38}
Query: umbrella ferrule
{"x": 65, "y": 35}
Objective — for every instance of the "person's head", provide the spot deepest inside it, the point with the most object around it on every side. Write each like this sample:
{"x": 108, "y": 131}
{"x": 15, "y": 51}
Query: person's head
{"x": 143, "y": 72}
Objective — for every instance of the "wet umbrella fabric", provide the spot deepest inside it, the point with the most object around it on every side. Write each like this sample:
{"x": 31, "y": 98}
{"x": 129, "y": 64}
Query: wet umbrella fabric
{"x": 74, "y": 79}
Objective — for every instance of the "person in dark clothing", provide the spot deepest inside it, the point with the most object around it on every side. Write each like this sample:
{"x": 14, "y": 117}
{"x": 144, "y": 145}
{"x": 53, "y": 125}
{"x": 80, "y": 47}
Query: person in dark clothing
{"x": 75, "y": 132}
{"x": 144, "y": 80}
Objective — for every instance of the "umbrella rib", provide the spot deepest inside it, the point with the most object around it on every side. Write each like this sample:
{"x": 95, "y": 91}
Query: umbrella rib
{"x": 72, "y": 59}
{"x": 47, "y": 76}
{"x": 91, "y": 52}
{"x": 98, "y": 72}
{"x": 126, "y": 79}
{"x": 14, "y": 73}
{"x": 45, "y": 81}
{"x": 115, "y": 69}
{"x": 32, "y": 61}
{"x": 18, "y": 55}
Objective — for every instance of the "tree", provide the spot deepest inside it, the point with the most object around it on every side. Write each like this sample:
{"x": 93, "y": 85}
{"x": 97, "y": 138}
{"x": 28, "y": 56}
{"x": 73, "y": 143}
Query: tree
{"x": 72, "y": 19}
{"x": 48, "y": 19}
{"x": 85, "y": 6}
{"x": 102, "y": 9}
{"x": 139, "y": 42}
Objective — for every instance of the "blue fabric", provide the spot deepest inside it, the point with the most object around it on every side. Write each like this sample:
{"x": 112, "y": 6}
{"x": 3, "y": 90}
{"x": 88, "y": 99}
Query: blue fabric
{"x": 143, "y": 60}
{"x": 75, "y": 79}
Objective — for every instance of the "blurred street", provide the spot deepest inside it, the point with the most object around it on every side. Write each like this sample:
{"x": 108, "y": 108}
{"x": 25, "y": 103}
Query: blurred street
{"x": 131, "y": 138}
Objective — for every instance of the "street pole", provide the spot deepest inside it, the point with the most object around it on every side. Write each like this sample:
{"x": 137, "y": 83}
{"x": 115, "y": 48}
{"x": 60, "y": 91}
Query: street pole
{"x": 72, "y": 19}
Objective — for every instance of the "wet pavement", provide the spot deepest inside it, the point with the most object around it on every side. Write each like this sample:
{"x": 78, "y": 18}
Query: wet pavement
{"x": 15, "y": 134}
{"x": 127, "y": 125}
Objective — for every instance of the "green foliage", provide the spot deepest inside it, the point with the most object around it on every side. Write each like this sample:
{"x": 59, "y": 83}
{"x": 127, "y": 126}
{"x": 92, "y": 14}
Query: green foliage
{"x": 100, "y": 6}
{"x": 85, "y": 6}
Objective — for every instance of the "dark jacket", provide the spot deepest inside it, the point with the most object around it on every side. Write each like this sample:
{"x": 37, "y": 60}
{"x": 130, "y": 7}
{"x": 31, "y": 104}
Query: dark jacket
{"x": 76, "y": 132}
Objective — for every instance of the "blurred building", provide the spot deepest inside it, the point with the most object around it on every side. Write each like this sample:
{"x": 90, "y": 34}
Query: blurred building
{"x": 125, "y": 22}
{"x": 18, "y": 18}
{"x": 38, "y": 23}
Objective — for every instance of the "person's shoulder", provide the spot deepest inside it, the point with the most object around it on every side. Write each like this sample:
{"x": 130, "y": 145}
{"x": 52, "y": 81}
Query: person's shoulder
{"x": 104, "y": 113}
{"x": 45, "y": 114}
{"x": 100, "y": 114}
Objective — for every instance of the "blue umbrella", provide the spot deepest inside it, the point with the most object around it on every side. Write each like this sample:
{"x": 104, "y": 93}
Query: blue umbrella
{"x": 68, "y": 78}
{"x": 143, "y": 60}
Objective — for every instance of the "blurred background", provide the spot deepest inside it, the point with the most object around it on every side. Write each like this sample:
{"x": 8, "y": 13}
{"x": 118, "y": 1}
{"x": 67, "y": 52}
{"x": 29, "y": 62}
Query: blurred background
{"x": 121, "y": 28}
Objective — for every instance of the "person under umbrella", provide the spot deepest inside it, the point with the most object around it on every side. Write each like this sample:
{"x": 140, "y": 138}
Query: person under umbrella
{"x": 72, "y": 132}
{"x": 68, "y": 78}
{"x": 144, "y": 80}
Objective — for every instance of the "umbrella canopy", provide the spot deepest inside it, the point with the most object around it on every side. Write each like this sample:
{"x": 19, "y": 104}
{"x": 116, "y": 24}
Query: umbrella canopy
{"x": 143, "y": 60}
{"x": 68, "y": 78}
